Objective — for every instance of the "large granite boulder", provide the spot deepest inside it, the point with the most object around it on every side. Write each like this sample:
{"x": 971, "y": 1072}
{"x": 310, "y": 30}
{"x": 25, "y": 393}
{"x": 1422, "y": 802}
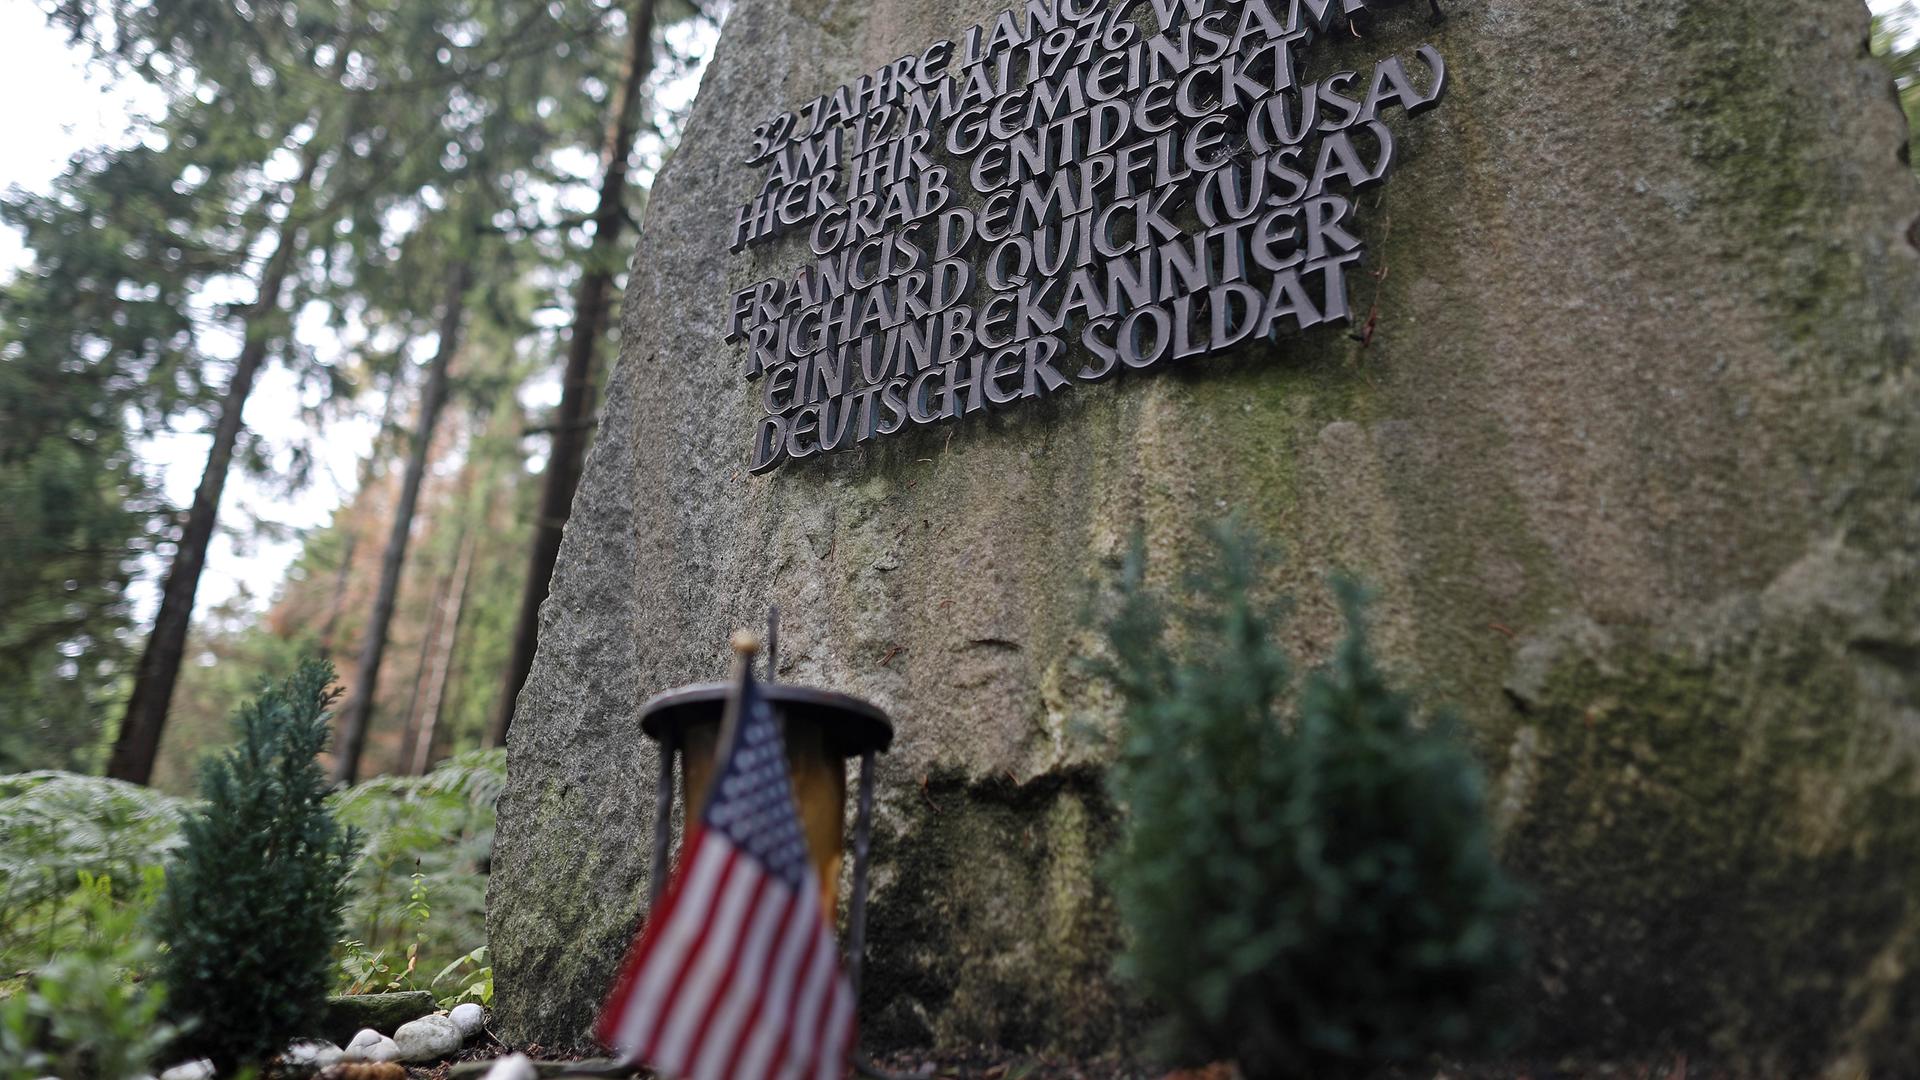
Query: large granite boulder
{"x": 1631, "y": 455}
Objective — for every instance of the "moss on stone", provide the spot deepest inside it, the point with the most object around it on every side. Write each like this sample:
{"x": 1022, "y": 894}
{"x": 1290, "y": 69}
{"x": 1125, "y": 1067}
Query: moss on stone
{"x": 1724, "y": 833}
{"x": 989, "y": 921}
{"x": 1753, "y": 129}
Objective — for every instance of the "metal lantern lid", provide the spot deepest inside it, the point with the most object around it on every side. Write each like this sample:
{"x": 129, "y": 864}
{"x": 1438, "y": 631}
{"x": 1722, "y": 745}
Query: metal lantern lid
{"x": 852, "y": 726}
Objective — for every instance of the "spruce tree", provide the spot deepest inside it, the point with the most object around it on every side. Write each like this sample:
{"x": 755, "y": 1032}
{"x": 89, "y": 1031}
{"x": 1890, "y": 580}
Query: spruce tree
{"x": 302, "y": 137}
{"x": 95, "y": 345}
{"x": 253, "y": 900}
{"x": 1308, "y": 876}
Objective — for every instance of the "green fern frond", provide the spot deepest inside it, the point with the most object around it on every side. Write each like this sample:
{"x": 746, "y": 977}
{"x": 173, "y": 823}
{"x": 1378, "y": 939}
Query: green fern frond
{"x": 61, "y": 829}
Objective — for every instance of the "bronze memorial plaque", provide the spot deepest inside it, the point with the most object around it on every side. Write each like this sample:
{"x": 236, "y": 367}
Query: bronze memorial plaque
{"x": 1076, "y": 189}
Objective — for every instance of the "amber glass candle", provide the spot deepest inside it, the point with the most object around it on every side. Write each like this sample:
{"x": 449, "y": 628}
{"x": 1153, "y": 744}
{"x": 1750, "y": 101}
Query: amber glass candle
{"x": 819, "y": 776}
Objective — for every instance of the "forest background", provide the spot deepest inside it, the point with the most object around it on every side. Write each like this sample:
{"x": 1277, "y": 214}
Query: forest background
{"x": 299, "y": 358}
{"x": 298, "y": 187}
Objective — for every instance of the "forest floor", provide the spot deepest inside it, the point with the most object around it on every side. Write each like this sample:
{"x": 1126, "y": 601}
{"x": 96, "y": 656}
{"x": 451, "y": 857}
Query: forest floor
{"x": 988, "y": 1063}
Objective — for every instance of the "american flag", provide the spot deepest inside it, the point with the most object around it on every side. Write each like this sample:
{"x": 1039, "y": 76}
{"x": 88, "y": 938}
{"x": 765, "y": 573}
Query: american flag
{"x": 736, "y": 973}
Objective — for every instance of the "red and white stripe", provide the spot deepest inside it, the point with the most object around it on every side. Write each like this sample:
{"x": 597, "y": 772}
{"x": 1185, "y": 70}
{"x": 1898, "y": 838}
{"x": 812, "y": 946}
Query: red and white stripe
{"x": 735, "y": 976}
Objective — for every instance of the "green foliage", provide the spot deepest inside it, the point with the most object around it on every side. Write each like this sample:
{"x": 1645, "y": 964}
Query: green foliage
{"x": 1309, "y": 877}
{"x": 363, "y": 972}
{"x": 313, "y": 170}
{"x": 418, "y": 883}
{"x": 61, "y": 833}
{"x": 228, "y": 656}
{"x": 101, "y": 343}
{"x": 85, "y": 1013}
{"x": 76, "y": 513}
{"x": 472, "y": 969}
{"x": 254, "y": 897}
{"x": 81, "y": 867}
{"x": 360, "y": 143}
{"x": 419, "y": 896}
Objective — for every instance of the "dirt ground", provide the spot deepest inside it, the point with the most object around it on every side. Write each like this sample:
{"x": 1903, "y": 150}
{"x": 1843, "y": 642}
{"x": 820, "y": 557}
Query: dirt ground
{"x": 989, "y": 1063}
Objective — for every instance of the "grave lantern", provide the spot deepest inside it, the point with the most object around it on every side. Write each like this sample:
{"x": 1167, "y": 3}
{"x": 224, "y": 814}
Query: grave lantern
{"x": 822, "y": 730}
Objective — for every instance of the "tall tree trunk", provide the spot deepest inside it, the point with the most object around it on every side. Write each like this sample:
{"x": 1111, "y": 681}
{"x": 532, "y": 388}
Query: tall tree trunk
{"x": 338, "y": 602}
{"x": 576, "y": 394}
{"x": 429, "y": 640}
{"x": 352, "y": 736}
{"x": 436, "y": 616}
{"x": 443, "y": 662}
{"x": 138, "y": 742}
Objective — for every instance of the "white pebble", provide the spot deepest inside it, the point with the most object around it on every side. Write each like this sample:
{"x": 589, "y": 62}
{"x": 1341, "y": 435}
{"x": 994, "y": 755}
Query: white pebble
{"x": 362, "y": 1039}
{"x": 512, "y": 1067}
{"x": 369, "y": 1045}
{"x": 468, "y": 1017}
{"x": 429, "y": 1038}
{"x": 313, "y": 1053}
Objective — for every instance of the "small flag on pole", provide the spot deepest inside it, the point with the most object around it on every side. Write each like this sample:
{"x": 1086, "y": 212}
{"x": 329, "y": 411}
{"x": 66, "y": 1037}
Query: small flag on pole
{"x": 736, "y": 973}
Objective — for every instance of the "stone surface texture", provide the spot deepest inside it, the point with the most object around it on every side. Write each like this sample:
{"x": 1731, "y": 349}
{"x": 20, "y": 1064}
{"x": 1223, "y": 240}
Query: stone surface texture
{"x": 350, "y": 1013}
{"x": 1631, "y": 463}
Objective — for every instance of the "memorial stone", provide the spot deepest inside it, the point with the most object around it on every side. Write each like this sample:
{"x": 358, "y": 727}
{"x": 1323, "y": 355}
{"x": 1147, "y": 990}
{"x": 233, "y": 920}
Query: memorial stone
{"x": 1583, "y": 333}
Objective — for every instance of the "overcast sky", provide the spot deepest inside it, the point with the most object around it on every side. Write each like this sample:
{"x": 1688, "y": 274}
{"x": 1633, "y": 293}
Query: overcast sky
{"x": 57, "y": 105}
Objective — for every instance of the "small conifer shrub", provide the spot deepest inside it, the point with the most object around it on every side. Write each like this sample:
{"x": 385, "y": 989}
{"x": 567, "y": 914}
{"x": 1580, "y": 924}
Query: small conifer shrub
{"x": 1308, "y": 877}
{"x": 253, "y": 898}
